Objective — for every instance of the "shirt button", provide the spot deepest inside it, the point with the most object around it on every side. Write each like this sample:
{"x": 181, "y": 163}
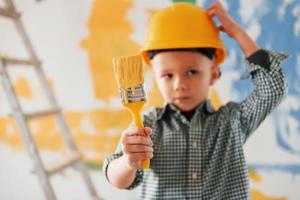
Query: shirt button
{"x": 194, "y": 175}
{"x": 194, "y": 145}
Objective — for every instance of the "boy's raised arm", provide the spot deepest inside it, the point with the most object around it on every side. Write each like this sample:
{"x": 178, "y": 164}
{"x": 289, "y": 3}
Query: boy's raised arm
{"x": 264, "y": 68}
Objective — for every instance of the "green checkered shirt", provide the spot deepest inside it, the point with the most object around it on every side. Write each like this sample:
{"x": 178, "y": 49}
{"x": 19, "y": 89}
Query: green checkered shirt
{"x": 203, "y": 158}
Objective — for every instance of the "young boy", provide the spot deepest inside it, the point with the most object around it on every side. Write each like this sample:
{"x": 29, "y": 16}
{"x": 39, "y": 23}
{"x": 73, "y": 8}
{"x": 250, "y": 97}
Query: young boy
{"x": 195, "y": 151}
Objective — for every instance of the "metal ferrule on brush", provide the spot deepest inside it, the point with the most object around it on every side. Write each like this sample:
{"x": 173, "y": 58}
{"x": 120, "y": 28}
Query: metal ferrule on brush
{"x": 135, "y": 95}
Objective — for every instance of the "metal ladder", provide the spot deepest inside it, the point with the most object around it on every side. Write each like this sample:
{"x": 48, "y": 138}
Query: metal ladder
{"x": 73, "y": 158}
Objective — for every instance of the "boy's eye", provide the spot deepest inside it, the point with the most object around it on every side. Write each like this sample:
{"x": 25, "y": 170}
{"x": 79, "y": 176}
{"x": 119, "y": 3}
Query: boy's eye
{"x": 167, "y": 76}
{"x": 192, "y": 72}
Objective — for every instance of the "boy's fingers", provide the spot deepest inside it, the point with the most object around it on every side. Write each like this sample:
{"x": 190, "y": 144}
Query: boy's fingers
{"x": 135, "y": 164}
{"x": 215, "y": 9}
{"x": 215, "y": 5}
{"x": 137, "y": 149}
{"x": 137, "y": 131}
{"x": 133, "y": 131}
{"x": 212, "y": 5}
{"x": 148, "y": 131}
{"x": 212, "y": 12}
{"x": 141, "y": 140}
{"x": 135, "y": 159}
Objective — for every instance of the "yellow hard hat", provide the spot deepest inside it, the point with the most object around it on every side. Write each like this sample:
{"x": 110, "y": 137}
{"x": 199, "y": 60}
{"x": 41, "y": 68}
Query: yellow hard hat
{"x": 183, "y": 25}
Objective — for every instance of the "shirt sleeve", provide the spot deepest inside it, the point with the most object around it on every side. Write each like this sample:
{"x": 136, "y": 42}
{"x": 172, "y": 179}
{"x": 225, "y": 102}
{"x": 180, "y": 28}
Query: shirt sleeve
{"x": 269, "y": 89}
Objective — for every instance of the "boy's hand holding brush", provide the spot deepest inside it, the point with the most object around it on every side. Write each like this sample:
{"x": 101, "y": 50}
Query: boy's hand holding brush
{"x": 135, "y": 141}
{"x": 137, "y": 146}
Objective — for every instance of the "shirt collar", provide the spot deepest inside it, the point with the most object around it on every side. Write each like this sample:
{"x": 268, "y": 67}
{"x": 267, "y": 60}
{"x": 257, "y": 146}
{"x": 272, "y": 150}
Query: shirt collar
{"x": 205, "y": 106}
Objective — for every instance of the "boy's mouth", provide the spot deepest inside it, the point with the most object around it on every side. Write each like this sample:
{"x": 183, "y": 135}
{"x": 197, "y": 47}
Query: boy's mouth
{"x": 181, "y": 98}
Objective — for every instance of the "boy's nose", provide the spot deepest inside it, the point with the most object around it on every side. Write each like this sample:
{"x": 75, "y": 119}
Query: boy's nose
{"x": 180, "y": 85}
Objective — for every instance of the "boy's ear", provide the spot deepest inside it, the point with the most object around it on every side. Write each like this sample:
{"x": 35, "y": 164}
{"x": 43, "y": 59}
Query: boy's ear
{"x": 215, "y": 74}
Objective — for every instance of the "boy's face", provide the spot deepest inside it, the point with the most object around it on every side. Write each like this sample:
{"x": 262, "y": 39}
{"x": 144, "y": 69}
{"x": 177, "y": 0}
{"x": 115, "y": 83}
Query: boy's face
{"x": 184, "y": 77}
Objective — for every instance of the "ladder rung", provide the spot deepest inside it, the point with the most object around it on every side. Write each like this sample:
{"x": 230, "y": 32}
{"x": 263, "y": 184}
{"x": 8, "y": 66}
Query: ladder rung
{"x": 62, "y": 164}
{"x": 42, "y": 113}
{"x": 15, "y": 61}
{"x": 9, "y": 13}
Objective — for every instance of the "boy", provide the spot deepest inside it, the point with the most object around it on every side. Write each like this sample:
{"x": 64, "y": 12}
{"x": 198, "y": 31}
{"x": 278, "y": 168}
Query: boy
{"x": 197, "y": 152}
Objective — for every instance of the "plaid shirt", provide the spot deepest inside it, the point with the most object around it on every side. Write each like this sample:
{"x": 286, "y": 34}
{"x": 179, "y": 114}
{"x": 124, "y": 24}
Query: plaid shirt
{"x": 203, "y": 158}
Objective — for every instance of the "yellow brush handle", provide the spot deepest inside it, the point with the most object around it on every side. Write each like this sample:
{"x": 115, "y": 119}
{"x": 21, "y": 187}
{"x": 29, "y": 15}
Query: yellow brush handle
{"x": 135, "y": 109}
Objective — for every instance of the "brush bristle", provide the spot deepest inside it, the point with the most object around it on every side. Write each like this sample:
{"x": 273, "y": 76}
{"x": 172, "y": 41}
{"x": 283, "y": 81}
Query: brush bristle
{"x": 129, "y": 74}
{"x": 128, "y": 71}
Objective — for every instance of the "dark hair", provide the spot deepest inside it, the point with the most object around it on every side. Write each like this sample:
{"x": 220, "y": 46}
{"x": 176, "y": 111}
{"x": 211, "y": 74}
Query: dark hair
{"x": 208, "y": 52}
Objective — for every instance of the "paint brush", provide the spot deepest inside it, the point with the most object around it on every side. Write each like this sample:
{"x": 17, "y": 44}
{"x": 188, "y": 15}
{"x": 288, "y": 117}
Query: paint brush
{"x": 129, "y": 74}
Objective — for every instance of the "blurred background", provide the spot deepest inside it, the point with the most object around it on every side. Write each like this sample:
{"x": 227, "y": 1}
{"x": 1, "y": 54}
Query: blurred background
{"x": 76, "y": 41}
